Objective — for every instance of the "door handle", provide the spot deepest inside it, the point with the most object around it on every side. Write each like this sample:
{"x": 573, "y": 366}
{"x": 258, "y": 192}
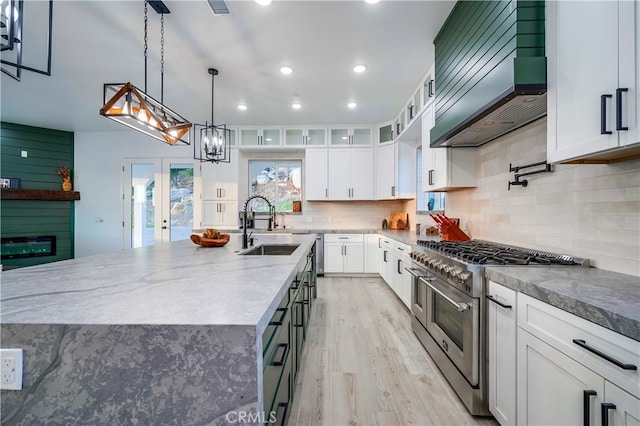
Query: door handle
{"x": 606, "y": 406}
{"x": 586, "y": 405}
{"x": 583, "y": 344}
{"x": 603, "y": 114}
{"x": 619, "y": 92}
{"x": 497, "y": 302}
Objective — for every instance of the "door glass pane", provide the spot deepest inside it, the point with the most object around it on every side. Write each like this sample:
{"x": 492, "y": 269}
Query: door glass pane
{"x": 316, "y": 137}
{"x": 143, "y": 207}
{"x": 386, "y": 133}
{"x": 271, "y": 137}
{"x": 361, "y": 136}
{"x": 449, "y": 319}
{"x": 181, "y": 201}
{"x": 339, "y": 137}
{"x": 416, "y": 102}
{"x": 232, "y": 138}
{"x": 293, "y": 137}
{"x": 248, "y": 137}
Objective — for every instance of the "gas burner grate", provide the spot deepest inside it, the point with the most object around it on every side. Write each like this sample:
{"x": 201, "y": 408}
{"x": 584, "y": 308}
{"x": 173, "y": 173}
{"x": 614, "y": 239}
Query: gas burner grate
{"x": 488, "y": 253}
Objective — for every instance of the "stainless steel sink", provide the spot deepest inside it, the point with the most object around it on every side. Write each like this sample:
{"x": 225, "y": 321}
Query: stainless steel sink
{"x": 272, "y": 250}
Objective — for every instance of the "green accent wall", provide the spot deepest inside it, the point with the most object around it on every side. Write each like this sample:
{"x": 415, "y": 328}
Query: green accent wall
{"x": 485, "y": 49}
{"x": 46, "y": 151}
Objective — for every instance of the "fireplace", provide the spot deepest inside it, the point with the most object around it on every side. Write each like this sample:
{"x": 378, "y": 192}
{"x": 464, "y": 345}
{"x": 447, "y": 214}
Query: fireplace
{"x": 20, "y": 247}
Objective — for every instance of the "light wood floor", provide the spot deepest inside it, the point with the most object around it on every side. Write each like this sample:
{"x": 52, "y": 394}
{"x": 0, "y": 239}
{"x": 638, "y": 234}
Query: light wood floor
{"x": 362, "y": 364}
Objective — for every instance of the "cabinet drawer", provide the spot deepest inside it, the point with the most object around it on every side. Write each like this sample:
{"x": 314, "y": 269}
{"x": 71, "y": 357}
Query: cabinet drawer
{"x": 401, "y": 249}
{"x": 277, "y": 320}
{"x": 275, "y": 362}
{"x": 343, "y": 238}
{"x": 283, "y": 398}
{"x": 579, "y": 338}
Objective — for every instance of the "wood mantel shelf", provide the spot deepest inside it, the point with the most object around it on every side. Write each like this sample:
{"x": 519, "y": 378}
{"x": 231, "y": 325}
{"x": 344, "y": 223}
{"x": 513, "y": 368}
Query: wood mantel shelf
{"x": 39, "y": 194}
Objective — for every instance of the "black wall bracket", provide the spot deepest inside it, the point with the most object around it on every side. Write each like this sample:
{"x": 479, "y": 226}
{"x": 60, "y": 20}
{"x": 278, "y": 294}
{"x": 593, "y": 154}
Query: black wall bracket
{"x": 524, "y": 182}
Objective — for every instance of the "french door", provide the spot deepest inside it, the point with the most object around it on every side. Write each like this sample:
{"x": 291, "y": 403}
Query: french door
{"x": 161, "y": 200}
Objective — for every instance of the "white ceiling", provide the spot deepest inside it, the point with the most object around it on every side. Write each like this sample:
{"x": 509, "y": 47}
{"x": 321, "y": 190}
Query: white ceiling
{"x": 97, "y": 42}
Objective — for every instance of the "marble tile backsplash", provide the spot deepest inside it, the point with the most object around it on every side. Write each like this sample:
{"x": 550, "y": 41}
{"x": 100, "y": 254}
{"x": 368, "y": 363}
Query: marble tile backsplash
{"x": 585, "y": 210}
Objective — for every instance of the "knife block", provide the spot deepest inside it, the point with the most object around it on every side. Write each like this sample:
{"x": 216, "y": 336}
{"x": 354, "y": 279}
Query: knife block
{"x": 453, "y": 233}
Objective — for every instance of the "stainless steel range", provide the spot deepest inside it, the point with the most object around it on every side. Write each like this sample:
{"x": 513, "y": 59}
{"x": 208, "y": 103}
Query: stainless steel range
{"x": 448, "y": 306}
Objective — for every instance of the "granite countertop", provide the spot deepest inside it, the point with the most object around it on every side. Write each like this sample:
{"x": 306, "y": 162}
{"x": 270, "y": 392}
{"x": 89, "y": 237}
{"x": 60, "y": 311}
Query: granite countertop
{"x": 171, "y": 284}
{"x": 609, "y": 299}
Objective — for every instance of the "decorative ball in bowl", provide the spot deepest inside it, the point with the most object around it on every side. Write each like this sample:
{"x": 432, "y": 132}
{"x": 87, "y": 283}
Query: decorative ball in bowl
{"x": 210, "y": 238}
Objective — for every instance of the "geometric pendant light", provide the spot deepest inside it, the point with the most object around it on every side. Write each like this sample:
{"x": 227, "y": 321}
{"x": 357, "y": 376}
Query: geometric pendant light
{"x": 212, "y": 142}
{"x": 128, "y": 105}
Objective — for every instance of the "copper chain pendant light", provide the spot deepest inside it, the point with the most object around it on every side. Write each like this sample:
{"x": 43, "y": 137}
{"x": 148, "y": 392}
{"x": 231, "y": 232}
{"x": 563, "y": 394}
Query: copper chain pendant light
{"x": 128, "y": 105}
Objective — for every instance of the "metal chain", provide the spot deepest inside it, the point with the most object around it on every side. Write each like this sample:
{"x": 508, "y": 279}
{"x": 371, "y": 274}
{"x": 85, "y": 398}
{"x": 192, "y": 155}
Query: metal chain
{"x": 162, "y": 59}
{"x": 145, "y": 46}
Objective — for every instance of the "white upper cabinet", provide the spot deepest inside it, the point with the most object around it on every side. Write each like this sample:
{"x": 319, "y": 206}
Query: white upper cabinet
{"x": 593, "y": 80}
{"x": 220, "y": 181}
{"x": 316, "y": 174}
{"x": 260, "y": 137}
{"x": 429, "y": 87}
{"x": 305, "y": 136}
{"x": 395, "y": 171}
{"x": 445, "y": 168}
{"x": 350, "y": 174}
{"x": 385, "y": 133}
{"x": 348, "y": 136}
{"x": 385, "y": 172}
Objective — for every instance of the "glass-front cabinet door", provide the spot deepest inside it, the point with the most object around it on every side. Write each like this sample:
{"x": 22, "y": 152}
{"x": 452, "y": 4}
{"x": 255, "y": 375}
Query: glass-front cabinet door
{"x": 340, "y": 137}
{"x": 316, "y": 137}
{"x": 361, "y": 137}
{"x": 249, "y": 137}
{"x": 271, "y": 137}
{"x": 385, "y": 133}
{"x": 255, "y": 137}
{"x": 294, "y": 137}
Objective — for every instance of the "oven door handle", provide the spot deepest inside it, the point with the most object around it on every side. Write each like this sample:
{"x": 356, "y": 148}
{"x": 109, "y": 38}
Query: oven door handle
{"x": 459, "y": 306}
{"x": 413, "y": 271}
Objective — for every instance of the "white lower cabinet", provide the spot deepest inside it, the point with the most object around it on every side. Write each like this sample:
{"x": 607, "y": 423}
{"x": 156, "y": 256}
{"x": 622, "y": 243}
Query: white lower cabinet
{"x": 570, "y": 371}
{"x": 501, "y": 350}
{"x": 371, "y": 263}
{"x": 395, "y": 257}
{"x": 552, "y": 386}
{"x": 343, "y": 253}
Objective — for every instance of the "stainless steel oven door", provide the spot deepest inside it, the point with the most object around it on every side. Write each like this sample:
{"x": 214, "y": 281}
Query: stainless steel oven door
{"x": 453, "y": 320}
{"x": 418, "y": 294}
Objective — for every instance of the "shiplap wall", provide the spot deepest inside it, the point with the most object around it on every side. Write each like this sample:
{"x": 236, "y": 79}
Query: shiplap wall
{"x": 46, "y": 151}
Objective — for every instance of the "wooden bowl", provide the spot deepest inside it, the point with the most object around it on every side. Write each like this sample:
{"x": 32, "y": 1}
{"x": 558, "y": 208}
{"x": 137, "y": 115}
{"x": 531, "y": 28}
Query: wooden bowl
{"x": 209, "y": 242}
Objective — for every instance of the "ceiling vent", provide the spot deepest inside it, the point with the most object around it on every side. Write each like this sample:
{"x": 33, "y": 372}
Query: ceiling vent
{"x": 218, "y": 7}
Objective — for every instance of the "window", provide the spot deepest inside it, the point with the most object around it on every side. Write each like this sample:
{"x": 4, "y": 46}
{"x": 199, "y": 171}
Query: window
{"x": 279, "y": 181}
{"x": 426, "y": 201}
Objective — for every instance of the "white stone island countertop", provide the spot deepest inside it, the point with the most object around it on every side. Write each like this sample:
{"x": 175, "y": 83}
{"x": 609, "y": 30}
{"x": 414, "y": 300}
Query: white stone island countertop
{"x": 176, "y": 283}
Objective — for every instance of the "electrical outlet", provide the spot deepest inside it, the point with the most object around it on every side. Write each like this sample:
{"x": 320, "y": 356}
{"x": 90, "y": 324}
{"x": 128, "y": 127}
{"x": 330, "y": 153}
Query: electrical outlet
{"x": 11, "y": 364}
{"x": 24, "y": 154}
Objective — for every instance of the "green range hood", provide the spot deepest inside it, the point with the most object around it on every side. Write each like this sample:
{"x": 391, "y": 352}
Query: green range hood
{"x": 490, "y": 71}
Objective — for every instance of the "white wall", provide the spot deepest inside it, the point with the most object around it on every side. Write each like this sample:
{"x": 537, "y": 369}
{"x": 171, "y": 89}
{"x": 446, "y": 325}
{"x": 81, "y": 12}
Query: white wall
{"x": 590, "y": 211}
{"x": 99, "y": 179}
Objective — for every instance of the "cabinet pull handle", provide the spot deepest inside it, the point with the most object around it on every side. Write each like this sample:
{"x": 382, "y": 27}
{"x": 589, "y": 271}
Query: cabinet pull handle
{"x": 586, "y": 405}
{"x": 284, "y": 354}
{"x": 497, "y": 302}
{"x": 400, "y": 248}
{"x": 430, "y": 177}
{"x": 583, "y": 344}
{"x": 431, "y": 88}
{"x": 326, "y": 192}
{"x": 280, "y": 320}
{"x": 284, "y": 414}
{"x": 399, "y": 266}
{"x": 606, "y": 406}
{"x": 603, "y": 114}
{"x": 379, "y": 241}
{"x": 343, "y": 238}
{"x": 393, "y": 191}
{"x": 619, "y": 108}
{"x": 384, "y": 256}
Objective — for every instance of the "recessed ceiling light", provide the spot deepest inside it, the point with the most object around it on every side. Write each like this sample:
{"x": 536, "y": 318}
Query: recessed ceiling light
{"x": 352, "y": 105}
{"x": 242, "y": 107}
{"x": 286, "y": 70}
{"x": 359, "y": 69}
{"x": 263, "y": 2}
{"x": 296, "y": 105}
{"x": 372, "y": 1}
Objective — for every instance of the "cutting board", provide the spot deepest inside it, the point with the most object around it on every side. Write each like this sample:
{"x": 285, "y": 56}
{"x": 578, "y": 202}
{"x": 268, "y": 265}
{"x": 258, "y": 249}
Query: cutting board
{"x": 393, "y": 221}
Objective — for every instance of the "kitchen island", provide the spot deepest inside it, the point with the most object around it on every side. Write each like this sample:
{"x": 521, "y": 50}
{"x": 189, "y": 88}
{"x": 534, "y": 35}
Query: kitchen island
{"x": 168, "y": 334}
